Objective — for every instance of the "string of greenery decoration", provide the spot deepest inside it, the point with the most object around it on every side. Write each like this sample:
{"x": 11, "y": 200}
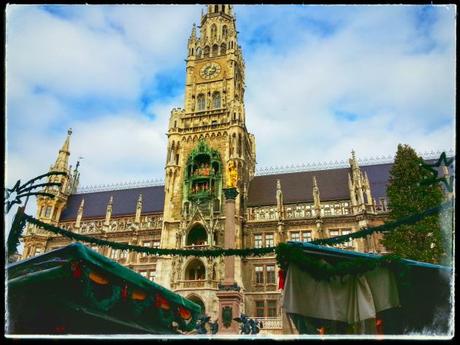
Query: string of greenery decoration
{"x": 322, "y": 270}
{"x": 153, "y": 251}
{"x": 15, "y": 234}
{"x": 384, "y": 227}
{"x": 230, "y": 252}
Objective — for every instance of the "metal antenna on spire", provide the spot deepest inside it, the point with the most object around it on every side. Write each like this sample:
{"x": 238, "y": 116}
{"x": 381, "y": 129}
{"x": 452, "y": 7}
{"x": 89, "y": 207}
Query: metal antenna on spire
{"x": 78, "y": 162}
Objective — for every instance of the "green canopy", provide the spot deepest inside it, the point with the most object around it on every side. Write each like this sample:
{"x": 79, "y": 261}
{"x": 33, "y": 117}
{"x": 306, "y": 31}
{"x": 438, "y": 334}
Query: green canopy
{"x": 74, "y": 290}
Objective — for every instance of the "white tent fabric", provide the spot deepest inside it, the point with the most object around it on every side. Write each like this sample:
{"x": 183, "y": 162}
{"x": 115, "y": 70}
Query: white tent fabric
{"x": 351, "y": 300}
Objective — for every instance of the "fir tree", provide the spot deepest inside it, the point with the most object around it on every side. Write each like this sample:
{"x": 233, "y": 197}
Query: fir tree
{"x": 406, "y": 195}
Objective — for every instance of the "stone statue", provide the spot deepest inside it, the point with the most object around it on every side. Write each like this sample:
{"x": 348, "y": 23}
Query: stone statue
{"x": 209, "y": 269}
{"x": 173, "y": 270}
{"x": 232, "y": 177}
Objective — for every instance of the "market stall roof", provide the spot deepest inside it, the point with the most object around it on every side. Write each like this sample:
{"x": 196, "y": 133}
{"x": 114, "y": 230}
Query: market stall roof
{"x": 424, "y": 292}
{"x": 348, "y": 254}
{"x": 55, "y": 270}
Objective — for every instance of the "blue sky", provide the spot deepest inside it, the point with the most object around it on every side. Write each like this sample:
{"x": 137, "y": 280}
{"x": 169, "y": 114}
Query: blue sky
{"x": 320, "y": 81}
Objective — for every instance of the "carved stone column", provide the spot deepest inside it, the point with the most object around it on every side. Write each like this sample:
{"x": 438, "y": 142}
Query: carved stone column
{"x": 229, "y": 293}
{"x": 367, "y": 244}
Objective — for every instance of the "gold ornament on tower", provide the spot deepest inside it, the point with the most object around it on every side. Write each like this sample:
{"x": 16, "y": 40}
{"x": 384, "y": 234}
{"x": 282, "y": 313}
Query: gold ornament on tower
{"x": 232, "y": 177}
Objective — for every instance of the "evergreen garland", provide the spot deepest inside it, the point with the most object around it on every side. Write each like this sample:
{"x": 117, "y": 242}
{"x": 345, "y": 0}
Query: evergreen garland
{"x": 153, "y": 251}
{"x": 322, "y": 270}
{"x": 17, "y": 228}
{"x": 219, "y": 251}
{"x": 389, "y": 226}
{"x": 286, "y": 254}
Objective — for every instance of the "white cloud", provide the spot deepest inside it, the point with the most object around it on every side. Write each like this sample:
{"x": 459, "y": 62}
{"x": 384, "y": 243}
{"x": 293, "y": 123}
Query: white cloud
{"x": 368, "y": 68}
{"x": 308, "y": 63}
{"x": 117, "y": 150}
{"x": 69, "y": 60}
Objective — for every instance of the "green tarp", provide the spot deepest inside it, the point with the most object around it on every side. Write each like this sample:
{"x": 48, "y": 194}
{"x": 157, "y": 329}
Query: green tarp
{"x": 76, "y": 290}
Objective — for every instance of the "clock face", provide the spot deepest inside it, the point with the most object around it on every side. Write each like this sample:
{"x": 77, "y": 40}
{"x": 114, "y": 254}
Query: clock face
{"x": 210, "y": 70}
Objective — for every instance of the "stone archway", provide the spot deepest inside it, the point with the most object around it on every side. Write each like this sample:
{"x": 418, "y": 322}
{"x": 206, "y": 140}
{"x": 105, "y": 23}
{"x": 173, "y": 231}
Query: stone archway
{"x": 195, "y": 270}
{"x": 197, "y": 236}
{"x": 197, "y": 299}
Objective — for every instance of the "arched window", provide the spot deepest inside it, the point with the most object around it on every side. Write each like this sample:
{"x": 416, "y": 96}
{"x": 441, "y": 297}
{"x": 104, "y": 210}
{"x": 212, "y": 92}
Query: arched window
{"x": 200, "y": 102}
{"x": 215, "y": 50}
{"x": 206, "y": 51}
{"x": 195, "y": 270}
{"x": 223, "y": 49}
{"x": 216, "y": 8}
{"x": 216, "y": 100}
{"x": 224, "y": 31}
{"x": 198, "y": 53}
{"x": 213, "y": 31}
{"x": 197, "y": 236}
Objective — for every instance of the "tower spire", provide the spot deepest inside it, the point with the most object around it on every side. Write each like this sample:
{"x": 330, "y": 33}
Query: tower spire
{"x": 193, "y": 34}
{"x": 316, "y": 198}
{"x": 80, "y": 213}
{"x": 62, "y": 160}
{"x": 138, "y": 209}
{"x": 65, "y": 147}
{"x": 75, "y": 177}
{"x": 108, "y": 213}
{"x": 279, "y": 200}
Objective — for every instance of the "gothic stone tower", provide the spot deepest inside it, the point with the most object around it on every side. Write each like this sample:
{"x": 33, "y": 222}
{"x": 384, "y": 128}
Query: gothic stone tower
{"x": 203, "y": 139}
{"x": 49, "y": 209}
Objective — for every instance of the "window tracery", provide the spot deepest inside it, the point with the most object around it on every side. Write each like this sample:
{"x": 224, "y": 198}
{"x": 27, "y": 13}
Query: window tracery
{"x": 201, "y": 102}
{"x": 216, "y": 101}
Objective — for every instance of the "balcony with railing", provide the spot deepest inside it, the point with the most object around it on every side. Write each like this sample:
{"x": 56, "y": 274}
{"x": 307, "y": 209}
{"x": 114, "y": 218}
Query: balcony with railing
{"x": 196, "y": 284}
{"x": 270, "y": 323}
{"x": 300, "y": 211}
{"x": 199, "y": 246}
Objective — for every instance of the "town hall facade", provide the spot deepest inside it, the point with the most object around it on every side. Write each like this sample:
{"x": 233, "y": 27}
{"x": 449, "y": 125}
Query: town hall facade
{"x": 206, "y": 139}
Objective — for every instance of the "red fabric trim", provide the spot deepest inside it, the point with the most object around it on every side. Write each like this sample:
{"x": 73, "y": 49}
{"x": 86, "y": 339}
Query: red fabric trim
{"x": 76, "y": 269}
{"x": 124, "y": 292}
{"x": 379, "y": 326}
{"x": 184, "y": 313}
{"x": 281, "y": 279}
{"x": 161, "y": 302}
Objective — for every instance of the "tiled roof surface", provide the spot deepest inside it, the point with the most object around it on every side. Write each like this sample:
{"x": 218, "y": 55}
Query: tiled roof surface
{"x": 124, "y": 202}
{"x": 298, "y": 186}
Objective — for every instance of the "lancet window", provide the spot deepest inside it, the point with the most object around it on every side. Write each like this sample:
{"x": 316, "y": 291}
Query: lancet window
{"x": 216, "y": 100}
{"x": 201, "y": 102}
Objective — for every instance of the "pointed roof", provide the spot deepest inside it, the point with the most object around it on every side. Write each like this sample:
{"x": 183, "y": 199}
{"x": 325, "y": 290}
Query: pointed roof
{"x": 62, "y": 159}
{"x": 66, "y": 145}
